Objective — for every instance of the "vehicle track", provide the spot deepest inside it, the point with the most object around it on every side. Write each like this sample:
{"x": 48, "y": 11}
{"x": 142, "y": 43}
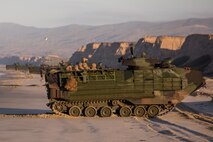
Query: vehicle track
{"x": 187, "y": 114}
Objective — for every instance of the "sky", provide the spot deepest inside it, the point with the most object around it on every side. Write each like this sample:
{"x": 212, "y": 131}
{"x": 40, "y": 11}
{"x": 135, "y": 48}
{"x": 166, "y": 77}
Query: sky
{"x": 54, "y": 13}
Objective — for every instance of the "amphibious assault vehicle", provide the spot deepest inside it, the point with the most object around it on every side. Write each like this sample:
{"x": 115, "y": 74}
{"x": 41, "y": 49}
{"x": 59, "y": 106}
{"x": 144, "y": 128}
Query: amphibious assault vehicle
{"x": 144, "y": 89}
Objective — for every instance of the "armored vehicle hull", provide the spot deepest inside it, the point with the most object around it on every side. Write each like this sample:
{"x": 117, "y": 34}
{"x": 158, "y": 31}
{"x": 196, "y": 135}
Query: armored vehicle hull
{"x": 145, "y": 92}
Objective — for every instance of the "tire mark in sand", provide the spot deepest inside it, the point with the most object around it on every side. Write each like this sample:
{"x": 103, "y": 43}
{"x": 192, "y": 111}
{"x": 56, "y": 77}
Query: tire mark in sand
{"x": 179, "y": 132}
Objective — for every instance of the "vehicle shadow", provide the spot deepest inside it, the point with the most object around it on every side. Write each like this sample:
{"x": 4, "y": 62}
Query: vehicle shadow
{"x": 197, "y": 107}
{"x": 15, "y": 111}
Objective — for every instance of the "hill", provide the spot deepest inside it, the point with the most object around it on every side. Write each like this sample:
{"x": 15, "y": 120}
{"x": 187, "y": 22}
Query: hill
{"x": 18, "y": 40}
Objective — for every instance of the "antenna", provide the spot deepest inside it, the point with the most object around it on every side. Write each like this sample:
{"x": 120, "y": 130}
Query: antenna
{"x": 131, "y": 49}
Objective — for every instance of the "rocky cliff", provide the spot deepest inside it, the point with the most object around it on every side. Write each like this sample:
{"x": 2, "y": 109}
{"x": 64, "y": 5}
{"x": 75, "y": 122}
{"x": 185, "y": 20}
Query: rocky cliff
{"x": 197, "y": 52}
{"x": 108, "y": 53}
{"x": 194, "y": 50}
{"x": 104, "y": 52}
{"x": 159, "y": 47}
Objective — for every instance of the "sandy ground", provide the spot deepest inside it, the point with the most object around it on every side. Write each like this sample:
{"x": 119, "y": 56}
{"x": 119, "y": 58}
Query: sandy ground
{"x": 25, "y": 117}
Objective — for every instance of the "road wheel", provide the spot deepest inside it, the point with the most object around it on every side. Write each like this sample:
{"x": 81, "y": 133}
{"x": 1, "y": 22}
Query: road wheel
{"x": 105, "y": 111}
{"x": 153, "y": 111}
{"x": 114, "y": 102}
{"x": 125, "y": 111}
{"x": 90, "y": 111}
{"x": 59, "y": 107}
{"x": 139, "y": 111}
{"x": 75, "y": 111}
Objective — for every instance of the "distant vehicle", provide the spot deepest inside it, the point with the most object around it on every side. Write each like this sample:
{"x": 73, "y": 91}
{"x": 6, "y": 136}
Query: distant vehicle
{"x": 144, "y": 89}
{"x": 32, "y": 69}
{"x": 18, "y": 67}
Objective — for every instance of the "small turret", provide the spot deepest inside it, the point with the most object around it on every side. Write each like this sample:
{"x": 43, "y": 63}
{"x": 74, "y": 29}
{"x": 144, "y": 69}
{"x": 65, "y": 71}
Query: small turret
{"x": 138, "y": 62}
